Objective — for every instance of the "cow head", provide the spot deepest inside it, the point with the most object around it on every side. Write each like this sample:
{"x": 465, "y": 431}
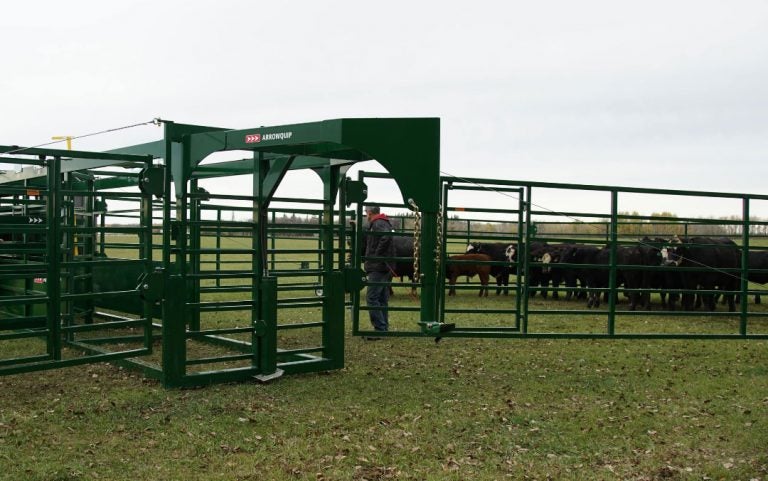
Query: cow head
{"x": 546, "y": 259}
{"x": 650, "y": 250}
{"x": 511, "y": 253}
{"x": 671, "y": 254}
{"x": 473, "y": 248}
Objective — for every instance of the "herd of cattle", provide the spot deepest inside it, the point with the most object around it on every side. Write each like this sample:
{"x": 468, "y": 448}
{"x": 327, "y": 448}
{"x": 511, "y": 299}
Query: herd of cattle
{"x": 694, "y": 271}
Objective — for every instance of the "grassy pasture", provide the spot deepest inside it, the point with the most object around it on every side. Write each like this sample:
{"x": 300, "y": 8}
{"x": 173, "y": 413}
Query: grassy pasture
{"x": 413, "y": 409}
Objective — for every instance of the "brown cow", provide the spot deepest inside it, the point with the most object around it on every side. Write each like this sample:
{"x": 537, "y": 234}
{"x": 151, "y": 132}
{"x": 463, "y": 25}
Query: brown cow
{"x": 453, "y": 271}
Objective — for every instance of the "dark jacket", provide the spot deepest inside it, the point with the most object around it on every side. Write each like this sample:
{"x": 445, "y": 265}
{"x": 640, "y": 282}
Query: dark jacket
{"x": 379, "y": 245}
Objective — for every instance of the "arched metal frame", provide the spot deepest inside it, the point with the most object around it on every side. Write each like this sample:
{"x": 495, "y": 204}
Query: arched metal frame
{"x": 402, "y": 146}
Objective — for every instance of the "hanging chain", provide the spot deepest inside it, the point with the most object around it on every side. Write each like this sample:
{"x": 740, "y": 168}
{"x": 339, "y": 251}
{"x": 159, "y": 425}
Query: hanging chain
{"x": 416, "y": 240}
{"x": 439, "y": 245}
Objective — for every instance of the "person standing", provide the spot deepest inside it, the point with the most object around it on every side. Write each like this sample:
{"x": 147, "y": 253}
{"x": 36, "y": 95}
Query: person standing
{"x": 379, "y": 272}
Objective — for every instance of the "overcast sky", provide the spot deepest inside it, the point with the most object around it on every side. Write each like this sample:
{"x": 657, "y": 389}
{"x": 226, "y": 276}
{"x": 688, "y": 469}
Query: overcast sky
{"x": 652, "y": 94}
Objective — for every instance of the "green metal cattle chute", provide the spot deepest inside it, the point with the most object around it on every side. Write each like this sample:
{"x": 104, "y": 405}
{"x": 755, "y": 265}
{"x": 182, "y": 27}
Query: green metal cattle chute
{"x": 212, "y": 286}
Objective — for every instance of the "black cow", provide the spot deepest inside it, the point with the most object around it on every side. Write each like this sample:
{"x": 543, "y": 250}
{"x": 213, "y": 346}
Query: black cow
{"x": 655, "y": 277}
{"x": 712, "y": 255}
{"x": 404, "y": 268}
{"x": 403, "y": 248}
{"x": 592, "y": 278}
{"x": 551, "y": 255}
{"x": 758, "y": 260}
{"x": 539, "y": 276}
{"x": 497, "y": 251}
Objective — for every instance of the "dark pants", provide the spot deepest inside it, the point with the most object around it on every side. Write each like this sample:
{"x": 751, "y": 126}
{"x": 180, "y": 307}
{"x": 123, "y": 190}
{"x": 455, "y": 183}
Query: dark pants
{"x": 378, "y": 296}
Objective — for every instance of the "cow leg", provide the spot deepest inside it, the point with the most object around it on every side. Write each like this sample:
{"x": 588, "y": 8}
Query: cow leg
{"x": 757, "y": 298}
{"x": 688, "y": 301}
{"x": 708, "y": 300}
{"x": 673, "y": 298}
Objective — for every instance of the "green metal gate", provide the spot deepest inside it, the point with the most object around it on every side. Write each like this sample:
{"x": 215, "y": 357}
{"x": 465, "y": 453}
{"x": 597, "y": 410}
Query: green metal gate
{"x": 606, "y": 227}
{"x": 57, "y": 290}
{"x": 506, "y": 314}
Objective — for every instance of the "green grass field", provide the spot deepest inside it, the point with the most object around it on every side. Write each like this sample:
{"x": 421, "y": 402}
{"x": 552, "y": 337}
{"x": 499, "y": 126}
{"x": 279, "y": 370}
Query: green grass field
{"x": 414, "y": 409}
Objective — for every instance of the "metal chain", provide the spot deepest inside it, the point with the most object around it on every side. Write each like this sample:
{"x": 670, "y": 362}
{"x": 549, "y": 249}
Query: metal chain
{"x": 416, "y": 240}
{"x": 439, "y": 245}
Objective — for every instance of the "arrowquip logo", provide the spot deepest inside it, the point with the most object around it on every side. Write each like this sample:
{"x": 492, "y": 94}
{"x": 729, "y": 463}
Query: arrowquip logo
{"x": 256, "y": 138}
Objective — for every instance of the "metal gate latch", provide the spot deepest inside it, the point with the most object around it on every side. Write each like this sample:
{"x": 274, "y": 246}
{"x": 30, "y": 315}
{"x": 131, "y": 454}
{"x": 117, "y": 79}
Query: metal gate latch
{"x": 151, "y": 180}
{"x": 151, "y": 285}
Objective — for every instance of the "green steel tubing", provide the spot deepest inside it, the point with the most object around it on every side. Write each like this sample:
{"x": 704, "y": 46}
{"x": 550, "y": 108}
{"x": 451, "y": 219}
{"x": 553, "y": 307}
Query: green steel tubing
{"x": 523, "y": 291}
{"x": 612, "y": 274}
{"x": 603, "y": 188}
{"x": 54, "y": 221}
{"x": 744, "y": 274}
{"x": 218, "y": 359}
{"x": 300, "y": 325}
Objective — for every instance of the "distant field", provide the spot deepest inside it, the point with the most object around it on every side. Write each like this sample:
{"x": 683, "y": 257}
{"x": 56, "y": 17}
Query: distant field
{"x": 415, "y": 409}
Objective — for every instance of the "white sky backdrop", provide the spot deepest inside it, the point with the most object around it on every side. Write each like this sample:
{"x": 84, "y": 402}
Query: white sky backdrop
{"x": 667, "y": 94}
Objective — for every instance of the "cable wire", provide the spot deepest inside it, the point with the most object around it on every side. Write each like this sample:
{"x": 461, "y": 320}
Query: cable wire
{"x": 155, "y": 121}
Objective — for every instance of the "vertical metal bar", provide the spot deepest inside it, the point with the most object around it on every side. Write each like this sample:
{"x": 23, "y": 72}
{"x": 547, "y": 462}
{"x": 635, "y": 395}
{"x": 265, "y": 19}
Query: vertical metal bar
{"x": 263, "y": 288}
{"x": 174, "y": 340}
{"x": 259, "y": 328}
{"x": 89, "y": 246}
{"x": 441, "y": 284}
{"x": 321, "y": 242}
{"x": 356, "y": 259}
{"x": 195, "y": 243}
{"x": 522, "y": 256}
{"x": 343, "y": 226}
{"x": 614, "y": 231}
{"x": 744, "y": 267}
{"x": 146, "y": 253}
{"x": 266, "y": 353}
{"x": 469, "y": 231}
{"x": 273, "y": 243}
{"x": 70, "y": 248}
{"x": 333, "y": 327}
{"x": 218, "y": 245}
{"x": 25, "y": 238}
{"x": 54, "y": 218}
{"x": 519, "y": 241}
{"x": 103, "y": 230}
{"x": 167, "y": 189}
